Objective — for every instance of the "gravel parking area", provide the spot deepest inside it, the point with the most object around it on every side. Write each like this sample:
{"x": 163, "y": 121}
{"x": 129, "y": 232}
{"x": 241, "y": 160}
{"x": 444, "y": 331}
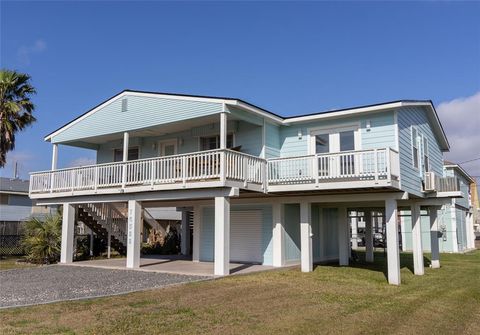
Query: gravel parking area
{"x": 46, "y": 284}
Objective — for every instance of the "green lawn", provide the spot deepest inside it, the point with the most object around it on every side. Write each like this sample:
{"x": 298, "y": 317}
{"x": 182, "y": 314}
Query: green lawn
{"x": 348, "y": 300}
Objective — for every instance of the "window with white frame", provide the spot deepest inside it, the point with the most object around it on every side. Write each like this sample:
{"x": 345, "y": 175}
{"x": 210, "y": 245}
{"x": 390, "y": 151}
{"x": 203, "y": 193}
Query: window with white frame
{"x": 426, "y": 158}
{"x": 415, "y": 147}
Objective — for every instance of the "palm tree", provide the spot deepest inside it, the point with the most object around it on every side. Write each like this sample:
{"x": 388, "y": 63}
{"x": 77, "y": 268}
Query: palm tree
{"x": 15, "y": 108}
{"x": 42, "y": 239}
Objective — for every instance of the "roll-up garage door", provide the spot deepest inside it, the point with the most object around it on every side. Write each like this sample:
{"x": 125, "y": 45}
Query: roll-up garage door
{"x": 246, "y": 236}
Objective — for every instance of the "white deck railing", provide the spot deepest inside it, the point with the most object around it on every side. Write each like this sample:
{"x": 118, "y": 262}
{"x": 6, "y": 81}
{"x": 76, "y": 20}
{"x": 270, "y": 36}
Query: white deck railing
{"x": 360, "y": 165}
{"x": 209, "y": 165}
{"x": 221, "y": 165}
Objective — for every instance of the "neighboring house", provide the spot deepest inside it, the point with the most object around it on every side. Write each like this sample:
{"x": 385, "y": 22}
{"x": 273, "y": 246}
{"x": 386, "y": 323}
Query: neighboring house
{"x": 455, "y": 220}
{"x": 15, "y": 208}
{"x": 259, "y": 187}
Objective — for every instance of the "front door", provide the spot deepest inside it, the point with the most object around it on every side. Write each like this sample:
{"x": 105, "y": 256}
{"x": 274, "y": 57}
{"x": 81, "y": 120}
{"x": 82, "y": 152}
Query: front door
{"x": 168, "y": 148}
{"x": 325, "y": 143}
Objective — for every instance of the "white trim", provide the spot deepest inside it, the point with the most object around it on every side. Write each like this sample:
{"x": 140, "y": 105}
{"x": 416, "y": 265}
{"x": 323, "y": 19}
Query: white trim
{"x": 461, "y": 170}
{"x": 334, "y": 136}
{"x": 395, "y": 123}
{"x": 416, "y": 146}
{"x": 234, "y": 102}
{"x": 346, "y": 112}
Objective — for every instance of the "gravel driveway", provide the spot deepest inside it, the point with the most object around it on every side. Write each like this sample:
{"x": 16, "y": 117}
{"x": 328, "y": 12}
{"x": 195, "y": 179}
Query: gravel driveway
{"x": 45, "y": 284}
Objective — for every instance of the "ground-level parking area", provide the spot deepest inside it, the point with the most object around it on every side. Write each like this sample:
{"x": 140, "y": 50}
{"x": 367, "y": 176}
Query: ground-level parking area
{"x": 20, "y": 287}
{"x": 175, "y": 264}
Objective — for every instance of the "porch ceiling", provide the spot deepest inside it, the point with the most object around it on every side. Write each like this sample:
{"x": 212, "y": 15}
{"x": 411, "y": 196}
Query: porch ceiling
{"x": 158, "y": 130}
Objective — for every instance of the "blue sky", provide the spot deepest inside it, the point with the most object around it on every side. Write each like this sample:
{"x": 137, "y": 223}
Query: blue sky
{"x": 291, "y": 58}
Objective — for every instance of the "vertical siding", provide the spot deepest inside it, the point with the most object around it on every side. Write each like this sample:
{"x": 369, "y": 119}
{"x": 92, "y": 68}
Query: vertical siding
{"x": 460, "y": 215}
{"x": 410, "y": 177}
{"x": 142, "y": 112}
{"x": 292, "y": 232}
{"x": 330, "y": 233}
{"x": 380, "y": 135}
{"x": 207, "y": 232}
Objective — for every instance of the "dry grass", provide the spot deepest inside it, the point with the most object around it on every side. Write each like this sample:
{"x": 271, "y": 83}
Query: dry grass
{"x": 10, "y": 262}
{"x": 329, "y": 300}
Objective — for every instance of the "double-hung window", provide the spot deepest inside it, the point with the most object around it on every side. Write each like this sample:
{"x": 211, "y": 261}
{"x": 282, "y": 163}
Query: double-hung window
{"x": 415, "y": 147}
{"x": 213, "y": 142}
{"x": 426, "y": 159}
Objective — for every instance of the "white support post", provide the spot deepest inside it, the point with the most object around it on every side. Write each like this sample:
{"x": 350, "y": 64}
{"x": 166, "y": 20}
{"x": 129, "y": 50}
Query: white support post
{"x": 54, "y": 156}
{"x": 435, "y": 250}
{"x": 369, "y": 255}
{"x": 470, "y": 231}
{"x": 278, "y": 235}
{"x": 354, "y": 225}
{"x": 343, "y": 237}
{"x": 54, "y": 165}
{"x": 125, "y": 158}
{"x": 109, "y": 239}
{"x": 393, "y": 253}
{"x": 263, "y": 154}
{"x": 134, "y": 234}
{"x": 222, "y": 236}
{"x": 223, "y": 143}
{"x": 417, "y": 241}
{"x": 306, "y": 253}
{"x": 223, "y": 130}
{"x": 197, "y": 211}
{"x": 185, "y": 236}
{"x": 68, "y": 227}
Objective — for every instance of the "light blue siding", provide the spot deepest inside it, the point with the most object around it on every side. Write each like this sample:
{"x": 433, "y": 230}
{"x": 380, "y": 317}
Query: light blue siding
{"x": 272, "y": 140}
{"x": 142, "y": 112}
{"x": 292, "y": 232}
{"x": 446, "y": 235}
{"x": 380, "y": 135}
{"x": 411, "y": 180}
{"x": 330, "y": 232}
{"x": 249, "y": 136}
{"x": 207, "y": 232}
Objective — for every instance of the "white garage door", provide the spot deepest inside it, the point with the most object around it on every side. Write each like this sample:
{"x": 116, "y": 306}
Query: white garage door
{"x": 246, "y": 236}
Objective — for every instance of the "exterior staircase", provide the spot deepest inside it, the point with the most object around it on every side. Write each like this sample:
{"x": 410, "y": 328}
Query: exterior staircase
{"x": 103, "y": 219}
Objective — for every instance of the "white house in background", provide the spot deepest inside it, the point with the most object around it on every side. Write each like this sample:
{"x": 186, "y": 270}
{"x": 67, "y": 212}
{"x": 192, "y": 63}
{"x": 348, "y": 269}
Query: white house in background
{"x": 260, "y": 188}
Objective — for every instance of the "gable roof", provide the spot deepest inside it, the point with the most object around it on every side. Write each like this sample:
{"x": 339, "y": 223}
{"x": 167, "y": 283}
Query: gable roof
{"x": 459, "y": 169}
{"x": 433, "y": 116}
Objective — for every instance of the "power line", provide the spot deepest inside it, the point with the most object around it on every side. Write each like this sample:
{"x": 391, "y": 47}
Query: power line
{"x": 471, "y": 160}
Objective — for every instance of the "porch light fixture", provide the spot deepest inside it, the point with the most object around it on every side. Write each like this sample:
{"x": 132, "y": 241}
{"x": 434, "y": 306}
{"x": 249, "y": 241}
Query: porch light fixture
{"x": 154, "y": 146}
{"x": 180, "y": 141}
{"x": 368, "y": 125}
{"x": 299, "y": 134}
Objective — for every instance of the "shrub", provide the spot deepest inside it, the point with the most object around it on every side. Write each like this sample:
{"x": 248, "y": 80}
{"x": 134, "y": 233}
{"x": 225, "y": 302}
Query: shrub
{"x": 42, "y": 239}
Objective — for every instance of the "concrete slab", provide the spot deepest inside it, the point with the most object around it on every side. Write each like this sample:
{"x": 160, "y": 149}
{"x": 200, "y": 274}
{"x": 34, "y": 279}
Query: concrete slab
{"x": 172, "y": 264}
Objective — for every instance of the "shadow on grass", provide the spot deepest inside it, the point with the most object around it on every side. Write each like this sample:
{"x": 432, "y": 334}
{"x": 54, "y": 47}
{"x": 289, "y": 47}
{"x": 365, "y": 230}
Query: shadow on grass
{"x": 379, "y": 264}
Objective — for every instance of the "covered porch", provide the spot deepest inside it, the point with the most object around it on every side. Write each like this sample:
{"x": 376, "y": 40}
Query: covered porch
{"x": 175, "y": 264}
{"x": 235, "y": 233}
